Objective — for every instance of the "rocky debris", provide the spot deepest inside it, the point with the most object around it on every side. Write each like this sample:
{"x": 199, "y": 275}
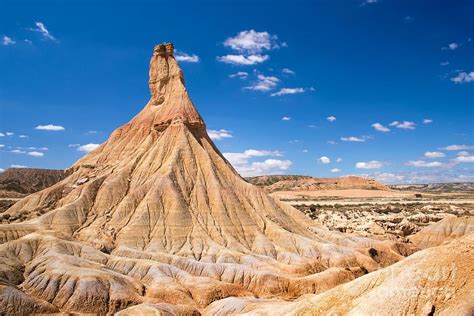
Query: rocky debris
{"x": 163, "y": 219}
{"x": 306, "y": 183}
{"x": 386, "y": 221}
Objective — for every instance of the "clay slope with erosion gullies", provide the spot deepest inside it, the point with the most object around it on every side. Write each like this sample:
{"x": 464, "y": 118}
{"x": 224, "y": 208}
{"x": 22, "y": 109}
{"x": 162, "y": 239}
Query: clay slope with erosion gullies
{"x": 156, "y": 215}
{"x": 307, "y": 183}
{"x": 435, "y": 281}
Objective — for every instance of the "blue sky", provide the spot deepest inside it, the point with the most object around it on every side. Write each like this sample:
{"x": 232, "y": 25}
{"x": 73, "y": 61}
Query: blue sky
{"x": 284, "y": 88}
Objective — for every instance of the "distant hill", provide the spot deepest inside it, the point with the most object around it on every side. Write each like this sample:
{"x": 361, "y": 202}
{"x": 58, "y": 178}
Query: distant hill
{"x": 307, "y": 183}
{"x": 19, "y": 182}
{"x": 436, "y": 187}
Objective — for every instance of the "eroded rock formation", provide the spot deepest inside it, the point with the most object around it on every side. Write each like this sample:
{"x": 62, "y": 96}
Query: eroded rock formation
{"x": 156, "y": 216}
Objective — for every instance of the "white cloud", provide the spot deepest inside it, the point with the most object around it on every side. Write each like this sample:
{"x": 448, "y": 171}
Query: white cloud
{"x": 424, "y": 164}
{"x": 286, "y": 118}
{"x": 2, "y": 135}
{"x": 287, "y": 91}
{"x": 241, "y": 162}
{"x": 463, "y": 77}
{"x": 87, "y": 147}
{"x": 2, "y": 170}
{"x": 457, "y": 147}
{"x": 339, "y": 159}
{"x": 18, "y": 166}
{"x": 331, "y": 118}
{"x": 23, "y": 136}
{"x": 353, "y": 139}
{"x": 7, "y": 41}
{"x": 403, "y": 125}
{"x": 264, "y": 83}
{"x": 287, "y": 71}
{"x": 243, "y": 60}
{"x": 73, "y": 145}
{"x": 18, "y": 151}
{"x": 463, "y": 159}
{"x": 331, "y": 142}
{"x": 41, "y": 28}
{"x": 50, "y": 127}
{"x": 434, "y": 154}
{"x": 240, "y": 74}
{"x": 9, "y": 133}
{"x": 219, "y": 134}
{"x": 427, "y": 121}
{"x": 379, "y": 127}
{"x": 324, "y": 160}
{"x": 180, "y": 56}
{"x": 451, "y": 46}
{"x": 305, "y": 150}
{"x": 373, "y": 164}
{"x": 444, "y": 63}
{"x": 1, "y": 145}
{"x": 35, "y": 154}
{"x": 336, "y": 170}
{"x": 252, "y": 42}
{"x": 463, "y": 153}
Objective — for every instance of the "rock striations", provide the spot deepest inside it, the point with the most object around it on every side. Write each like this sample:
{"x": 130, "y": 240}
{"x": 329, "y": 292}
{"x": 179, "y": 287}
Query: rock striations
{"x": 156, "y": 217}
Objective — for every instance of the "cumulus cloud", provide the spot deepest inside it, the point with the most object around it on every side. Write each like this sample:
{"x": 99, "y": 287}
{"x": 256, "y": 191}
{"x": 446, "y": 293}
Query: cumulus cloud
{"x": 427, "y": 121}
{"x": 50, "y": 127}
{"x": 243, "y": 60}
{"x": 444, "y": 63}
{"x": 240, "y": 74}
{"x": 434, "y": 154}
{"x": 463, "y": 77}
{"x": 379, "y": 127}
{"x": 183, "y": 57}
{"x": 252, "y": 42}
{"x": 2, "y": 145}
{"x": 241, "y": 162}
{"x": 365, "y": 2}
{"x": 286, "y": 118}
{"x": 324, "y": 160}
{"x": 403, "y": 125}
{"x": 339, "y": 159}
{"x": 23, "y": 136}
{"x": 35, "y": 153}
{"x": 73, "y": 145}
{"x": 285, "y": 91}
{"x": 18, "y": 151}
{"x": 335, "y": 170}
{"x": 373, "y": 164}
{"x": 353, "y": 139}
{"x": 463, "y": 159}
{"x": 18, "y": 166}
{"x": 331, "y": 118}
{"x": 7, "y": 41}
{"x": 287, "y": 71}
{"x": 463, "y": 153}
{"x": 263, "y": 83}
{"x": 41, "y": 28}
{"x": 87, "y": 147}
{"x": 451, "y": 46}
{"x": 424, "y": 164}
{"x": 219, "y": 134}
{"x": 457, "y": 147}
{"x": 2, "y": 170}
